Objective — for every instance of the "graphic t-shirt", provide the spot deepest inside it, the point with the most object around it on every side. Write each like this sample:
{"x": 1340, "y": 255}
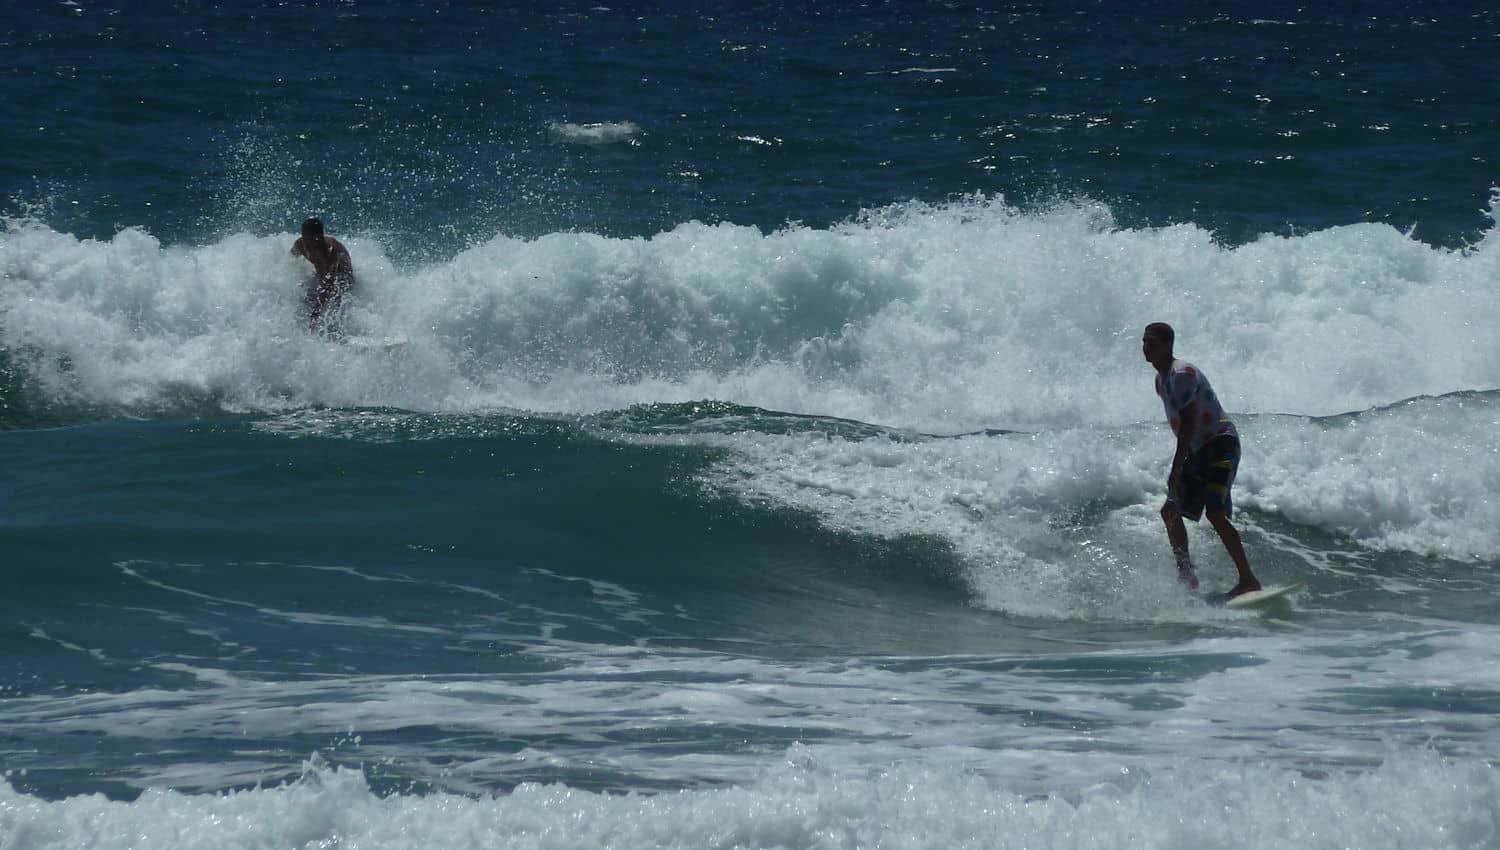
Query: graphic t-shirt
{"x": 1182, "y": 385}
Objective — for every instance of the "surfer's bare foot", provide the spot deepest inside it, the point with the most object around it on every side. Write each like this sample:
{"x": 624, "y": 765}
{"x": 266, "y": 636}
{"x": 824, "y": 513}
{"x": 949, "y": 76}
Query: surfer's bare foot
{"x": 1242, "y": 588}
{"x": 1188, "y": 576}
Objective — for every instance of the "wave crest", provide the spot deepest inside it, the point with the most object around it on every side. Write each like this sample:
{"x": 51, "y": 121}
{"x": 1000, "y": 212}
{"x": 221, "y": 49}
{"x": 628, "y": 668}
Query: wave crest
{"x": 960, "y": 316}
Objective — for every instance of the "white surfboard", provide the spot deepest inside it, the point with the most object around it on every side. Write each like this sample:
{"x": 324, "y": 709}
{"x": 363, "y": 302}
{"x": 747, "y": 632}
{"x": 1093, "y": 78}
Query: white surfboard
{"x": 1264, "y": 595}
{"x": 375, "y": 343}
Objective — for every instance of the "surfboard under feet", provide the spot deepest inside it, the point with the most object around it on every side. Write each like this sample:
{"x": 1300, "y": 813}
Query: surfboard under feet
{"x": 1256, "y": 598}
{"x": 375, "y": 343}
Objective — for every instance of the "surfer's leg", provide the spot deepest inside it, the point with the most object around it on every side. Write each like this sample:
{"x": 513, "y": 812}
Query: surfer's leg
{"x": 333, "y": 310}
{"x": 1231, "y": 537}
{"x": 1178, "y": 537}
{"x": 1222, "y": 456}
{"x": 325, "y": 304}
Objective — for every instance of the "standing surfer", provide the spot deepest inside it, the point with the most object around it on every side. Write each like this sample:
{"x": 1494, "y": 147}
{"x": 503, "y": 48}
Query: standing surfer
{"x": 1206, "y": 459}
{"x": 332, "y": 278}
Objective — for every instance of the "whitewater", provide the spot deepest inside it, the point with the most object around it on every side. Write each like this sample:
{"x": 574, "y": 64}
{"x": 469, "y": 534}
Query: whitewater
{"x": 940, "y": 318}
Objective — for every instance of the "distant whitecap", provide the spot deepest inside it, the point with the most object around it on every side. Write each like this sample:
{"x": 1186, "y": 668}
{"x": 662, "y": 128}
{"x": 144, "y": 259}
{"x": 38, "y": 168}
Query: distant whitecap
{"x": 604, "y": 133}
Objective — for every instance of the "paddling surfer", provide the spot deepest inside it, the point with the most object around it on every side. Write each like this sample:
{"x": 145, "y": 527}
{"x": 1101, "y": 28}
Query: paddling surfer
{"x": 331, "y": 280}
{"x": 1205, "y": 462}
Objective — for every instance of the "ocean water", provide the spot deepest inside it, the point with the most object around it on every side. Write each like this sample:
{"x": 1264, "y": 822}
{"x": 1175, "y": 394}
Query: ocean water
{"x": 770, "y": 461}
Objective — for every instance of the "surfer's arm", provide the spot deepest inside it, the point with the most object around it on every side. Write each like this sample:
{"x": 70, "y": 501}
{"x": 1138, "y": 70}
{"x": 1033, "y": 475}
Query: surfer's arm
{"x": 1187, "y": 423}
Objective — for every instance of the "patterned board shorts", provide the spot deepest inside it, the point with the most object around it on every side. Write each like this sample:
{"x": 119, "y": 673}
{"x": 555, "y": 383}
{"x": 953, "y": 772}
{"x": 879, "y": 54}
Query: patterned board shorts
{"x": 1207, "y": 475}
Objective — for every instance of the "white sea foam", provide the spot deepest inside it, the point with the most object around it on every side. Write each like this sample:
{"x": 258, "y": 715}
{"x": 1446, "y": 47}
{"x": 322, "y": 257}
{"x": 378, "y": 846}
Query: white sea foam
{"x": 599, "y": 133}
{"x": 945, "y": 318}
{"x": 1412, "y": 800}
{"x": 1149, "y": 708}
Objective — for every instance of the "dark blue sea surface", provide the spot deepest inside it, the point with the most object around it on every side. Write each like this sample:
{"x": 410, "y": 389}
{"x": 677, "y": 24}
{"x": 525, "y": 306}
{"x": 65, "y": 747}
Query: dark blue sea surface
{"x": 438, "y": 125}
{"x": 742, "y": 437}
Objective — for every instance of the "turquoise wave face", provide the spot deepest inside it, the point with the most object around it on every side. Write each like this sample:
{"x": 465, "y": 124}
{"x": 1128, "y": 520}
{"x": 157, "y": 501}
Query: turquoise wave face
{"x": 777, "y": 530}
{"x": 282, "y": 530}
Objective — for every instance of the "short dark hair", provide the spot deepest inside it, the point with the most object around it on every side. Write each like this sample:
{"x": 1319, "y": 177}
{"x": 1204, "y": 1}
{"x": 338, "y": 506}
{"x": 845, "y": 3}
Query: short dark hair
{"x": 1162, "y": 331}
{"x": 313, "y": 227}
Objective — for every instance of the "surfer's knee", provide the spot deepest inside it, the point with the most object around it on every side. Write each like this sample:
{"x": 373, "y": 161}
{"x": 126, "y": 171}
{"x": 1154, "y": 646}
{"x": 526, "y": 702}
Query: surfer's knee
{"x": 1170, "y": 513}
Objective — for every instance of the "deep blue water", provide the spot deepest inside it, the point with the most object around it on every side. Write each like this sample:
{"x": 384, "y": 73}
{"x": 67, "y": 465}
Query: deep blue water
{"x": 433, "y": 124}
{"x": 763, "y": 455}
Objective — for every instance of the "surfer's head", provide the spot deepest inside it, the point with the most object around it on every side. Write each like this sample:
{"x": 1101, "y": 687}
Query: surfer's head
{"x": 1160, "y": 330}
{"x": 312, "y": 229}
{"x": 1156, "y": 343}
